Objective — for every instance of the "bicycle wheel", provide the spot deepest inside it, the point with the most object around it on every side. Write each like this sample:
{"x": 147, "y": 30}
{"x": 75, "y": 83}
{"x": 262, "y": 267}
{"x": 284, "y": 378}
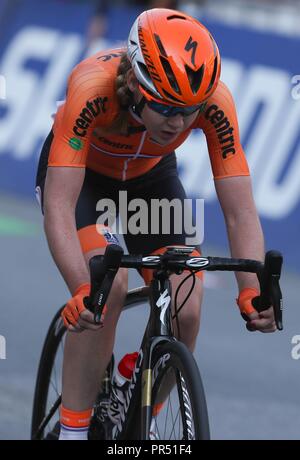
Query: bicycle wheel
{"x": 177, "y": 382}
{"x": 47, "y": 395}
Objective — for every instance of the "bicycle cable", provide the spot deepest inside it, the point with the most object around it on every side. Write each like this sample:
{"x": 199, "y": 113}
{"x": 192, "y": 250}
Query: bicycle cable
{"x": 177, "y": 310}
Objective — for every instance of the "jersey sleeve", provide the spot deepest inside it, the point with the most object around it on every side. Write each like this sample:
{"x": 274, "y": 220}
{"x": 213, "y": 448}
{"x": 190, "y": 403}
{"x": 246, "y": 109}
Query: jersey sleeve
{"x": 220, "y": 126}
{"x": 87, "y": 104}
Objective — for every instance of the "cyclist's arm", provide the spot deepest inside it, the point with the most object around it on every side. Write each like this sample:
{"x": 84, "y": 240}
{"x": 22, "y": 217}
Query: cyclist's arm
{"x": 242, "y": 222}
{"x": 232, "y": 179}
{"x": 245, "y": 238}
{"x": 233, "y": 186}
{"x": 65, "y": 175}
{"x": 62, "y": 188}
{"x": 85, "y": 106}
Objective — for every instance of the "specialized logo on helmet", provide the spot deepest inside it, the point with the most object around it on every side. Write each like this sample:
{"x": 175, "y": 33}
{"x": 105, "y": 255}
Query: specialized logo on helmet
{"x": 91, "y": 110}
{"x": 191, "y": 45}
{"x": 151, "y": 68}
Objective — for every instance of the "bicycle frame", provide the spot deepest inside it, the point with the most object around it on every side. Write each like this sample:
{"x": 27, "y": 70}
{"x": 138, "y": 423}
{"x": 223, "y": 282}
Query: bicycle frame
{"x": 103, "y": 270}
{"x": 158, "y": 330}
{"x": 159, "y": 326}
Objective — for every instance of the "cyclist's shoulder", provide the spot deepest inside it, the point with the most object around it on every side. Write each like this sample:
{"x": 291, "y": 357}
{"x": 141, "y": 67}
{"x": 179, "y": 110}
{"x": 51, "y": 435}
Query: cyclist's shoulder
{"x": 219, "y": 105}
{"x": 91, "y": 88}
{"x": 222, "y": 98}
{"x": 96, "y": 74}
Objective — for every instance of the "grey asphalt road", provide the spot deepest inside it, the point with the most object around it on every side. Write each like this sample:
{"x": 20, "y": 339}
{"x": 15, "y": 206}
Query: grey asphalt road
{"x": 251, "y": 379}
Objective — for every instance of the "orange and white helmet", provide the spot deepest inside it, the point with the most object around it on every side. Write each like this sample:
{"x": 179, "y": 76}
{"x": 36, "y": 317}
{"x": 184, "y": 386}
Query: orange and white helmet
{"x": 174, "y": 57}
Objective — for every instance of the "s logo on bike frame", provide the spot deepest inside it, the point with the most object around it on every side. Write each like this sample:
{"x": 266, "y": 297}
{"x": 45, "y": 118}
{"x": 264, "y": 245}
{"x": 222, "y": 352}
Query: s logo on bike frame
{"x": 163, "y": 303}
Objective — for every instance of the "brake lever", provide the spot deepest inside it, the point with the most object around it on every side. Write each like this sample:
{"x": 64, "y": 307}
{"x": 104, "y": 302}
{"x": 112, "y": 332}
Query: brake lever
{"x": 270, "y": 288}
{"x": 103, "y": 270}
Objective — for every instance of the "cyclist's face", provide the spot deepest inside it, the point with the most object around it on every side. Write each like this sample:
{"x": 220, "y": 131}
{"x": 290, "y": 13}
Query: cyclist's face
{"x": 163, "y": 130}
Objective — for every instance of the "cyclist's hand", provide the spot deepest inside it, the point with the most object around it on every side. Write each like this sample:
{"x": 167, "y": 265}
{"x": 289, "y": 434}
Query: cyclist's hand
{"x": 75, "y": 315}
{"x": 263, "y": 321}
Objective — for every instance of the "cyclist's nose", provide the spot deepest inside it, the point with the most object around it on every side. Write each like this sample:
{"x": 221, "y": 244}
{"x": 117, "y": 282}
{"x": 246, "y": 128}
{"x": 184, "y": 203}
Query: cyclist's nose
{"x": 176, "y": 122}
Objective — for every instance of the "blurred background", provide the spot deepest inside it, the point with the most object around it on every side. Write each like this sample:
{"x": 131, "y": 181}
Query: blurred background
{"x": 252, "y": 380}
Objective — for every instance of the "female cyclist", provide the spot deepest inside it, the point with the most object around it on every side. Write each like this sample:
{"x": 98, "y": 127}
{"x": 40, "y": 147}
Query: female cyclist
{"x": 126, "y": 111}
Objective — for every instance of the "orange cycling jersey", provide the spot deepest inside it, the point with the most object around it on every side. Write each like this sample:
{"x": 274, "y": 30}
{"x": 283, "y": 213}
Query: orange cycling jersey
{"x": 80, "y": 139}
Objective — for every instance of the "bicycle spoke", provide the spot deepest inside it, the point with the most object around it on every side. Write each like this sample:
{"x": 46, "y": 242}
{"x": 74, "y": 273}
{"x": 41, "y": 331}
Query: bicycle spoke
{"x": 181, "y": 416}
{"x": 169, "y": 424}
{"x": 54, "y": 387}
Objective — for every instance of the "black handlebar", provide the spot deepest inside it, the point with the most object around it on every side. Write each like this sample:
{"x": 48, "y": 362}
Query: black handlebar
{"x": 103, "y": 270}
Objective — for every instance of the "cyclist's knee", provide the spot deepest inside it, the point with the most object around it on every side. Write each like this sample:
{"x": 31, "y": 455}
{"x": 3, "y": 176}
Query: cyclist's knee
{"x": 189, "y": 320}
{"x": 189, "y": 316}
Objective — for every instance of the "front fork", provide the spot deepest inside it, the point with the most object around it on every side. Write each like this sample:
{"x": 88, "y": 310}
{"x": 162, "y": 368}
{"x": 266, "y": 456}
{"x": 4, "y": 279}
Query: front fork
{"x": 158, "y": 330}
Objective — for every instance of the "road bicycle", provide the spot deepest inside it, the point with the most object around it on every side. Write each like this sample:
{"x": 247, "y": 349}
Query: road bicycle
{"x": 164, "y": 364}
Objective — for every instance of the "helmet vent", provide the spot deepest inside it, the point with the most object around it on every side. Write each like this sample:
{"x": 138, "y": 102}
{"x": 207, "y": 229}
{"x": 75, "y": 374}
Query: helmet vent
{"x": 213, "y": 77}
{"x": 144, "y": 71}
{"x": 174, "y": 99}
{"x": 170, "y": 74}
{"x": 160, "y": 45}
{"x": 195, "y": 77}
{"x": 175, "y": 16}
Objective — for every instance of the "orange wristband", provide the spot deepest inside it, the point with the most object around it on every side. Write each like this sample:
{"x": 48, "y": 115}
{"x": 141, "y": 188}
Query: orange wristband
{"x": 244, "y": 300}
{"x": 83, "y": 289}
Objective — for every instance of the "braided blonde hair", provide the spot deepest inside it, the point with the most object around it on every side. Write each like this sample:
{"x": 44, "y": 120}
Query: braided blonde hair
{"x": 125, "y": 98}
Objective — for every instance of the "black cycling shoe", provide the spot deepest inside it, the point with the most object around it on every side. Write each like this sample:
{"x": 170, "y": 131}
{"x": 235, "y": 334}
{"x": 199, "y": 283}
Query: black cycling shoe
{"x": 101, "y": 426}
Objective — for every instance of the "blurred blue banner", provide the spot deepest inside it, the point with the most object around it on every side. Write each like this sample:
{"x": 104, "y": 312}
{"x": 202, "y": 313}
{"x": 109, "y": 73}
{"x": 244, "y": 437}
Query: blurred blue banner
{"x": 41, "y": 43}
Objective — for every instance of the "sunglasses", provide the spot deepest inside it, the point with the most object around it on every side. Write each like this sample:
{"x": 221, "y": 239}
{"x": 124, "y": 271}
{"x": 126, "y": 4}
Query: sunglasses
{"x": 171, "y": 111}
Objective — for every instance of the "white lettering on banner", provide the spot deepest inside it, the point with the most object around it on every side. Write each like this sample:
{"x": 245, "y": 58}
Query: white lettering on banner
{"x": 277, "y": 200}
{"x": 296, "y": 349}
{"x": 2, "y": 347}
{"x": 233, "y": 74}
{"x": 261, "y": 86}
{"x": 2, "y": 87}
{"x": 31, "y": 97}
{"x": 296, "y": 90}
{"x": 257, "y": 88}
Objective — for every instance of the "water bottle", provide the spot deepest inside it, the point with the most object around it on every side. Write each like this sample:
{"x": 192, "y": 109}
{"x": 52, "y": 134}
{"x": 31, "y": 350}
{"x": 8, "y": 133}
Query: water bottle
{"x": 120, "y": 382}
